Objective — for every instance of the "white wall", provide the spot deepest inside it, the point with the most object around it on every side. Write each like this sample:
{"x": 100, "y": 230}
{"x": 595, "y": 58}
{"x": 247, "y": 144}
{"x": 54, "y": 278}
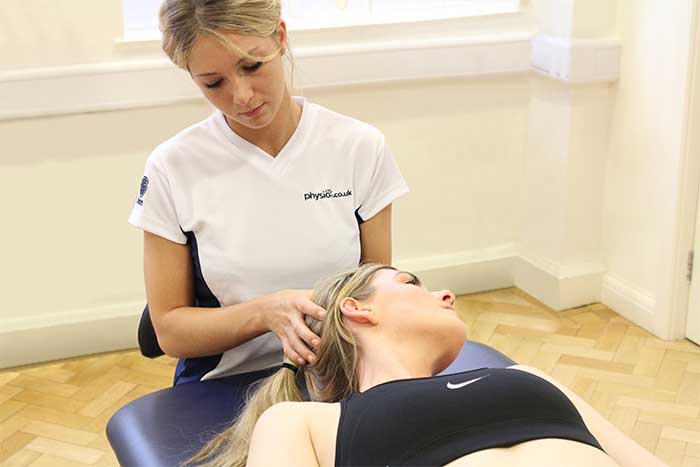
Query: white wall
{"x": 577, "y": 18}
{"x": 469, "y": 148}
{"x": 459, "y": 143}
{"x": 58, "y": 32}
{"x": 67, "y": 183}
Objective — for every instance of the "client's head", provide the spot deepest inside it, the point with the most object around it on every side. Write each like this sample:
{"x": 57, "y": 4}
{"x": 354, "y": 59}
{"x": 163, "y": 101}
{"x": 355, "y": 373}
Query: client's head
{"x": 374, "y": 314}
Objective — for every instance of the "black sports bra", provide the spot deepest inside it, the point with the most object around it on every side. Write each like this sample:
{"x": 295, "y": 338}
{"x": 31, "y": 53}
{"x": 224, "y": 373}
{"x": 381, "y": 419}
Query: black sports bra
{"x": 435, "y": 420}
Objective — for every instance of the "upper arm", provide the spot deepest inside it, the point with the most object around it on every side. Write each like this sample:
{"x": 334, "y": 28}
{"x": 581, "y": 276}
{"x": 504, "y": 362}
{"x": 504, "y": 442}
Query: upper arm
{"x": 168, "y": 276}
{"x": 375, "y": 238}
{"x": 282, "y": 437}
{"x": 617, "y": 445}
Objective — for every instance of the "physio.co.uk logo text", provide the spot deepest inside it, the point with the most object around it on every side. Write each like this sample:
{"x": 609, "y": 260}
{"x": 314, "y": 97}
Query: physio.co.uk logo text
{"x": 325, "y": 194}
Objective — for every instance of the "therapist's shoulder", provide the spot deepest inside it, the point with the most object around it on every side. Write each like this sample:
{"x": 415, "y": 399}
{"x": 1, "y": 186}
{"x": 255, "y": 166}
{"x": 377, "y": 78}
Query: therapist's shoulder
{"x": 337, "y": 123}
{"x": 191, "y": 140}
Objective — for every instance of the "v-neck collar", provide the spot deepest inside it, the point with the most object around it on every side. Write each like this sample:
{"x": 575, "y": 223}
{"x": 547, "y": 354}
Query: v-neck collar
{"x": 256, "y": 155}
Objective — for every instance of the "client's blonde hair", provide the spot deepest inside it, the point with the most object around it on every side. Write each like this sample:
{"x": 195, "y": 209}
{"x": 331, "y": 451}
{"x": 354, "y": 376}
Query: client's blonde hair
{"x": 331, "y": 379}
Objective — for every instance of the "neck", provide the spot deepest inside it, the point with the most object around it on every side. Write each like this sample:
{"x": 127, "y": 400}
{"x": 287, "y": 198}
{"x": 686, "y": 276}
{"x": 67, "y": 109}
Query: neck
{"x": 382, "y": 363}
{"x": 275, "y": 135}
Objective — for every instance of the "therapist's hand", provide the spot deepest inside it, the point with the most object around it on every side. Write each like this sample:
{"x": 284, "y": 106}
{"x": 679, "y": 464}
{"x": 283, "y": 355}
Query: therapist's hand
{"x": 285, "y": 315}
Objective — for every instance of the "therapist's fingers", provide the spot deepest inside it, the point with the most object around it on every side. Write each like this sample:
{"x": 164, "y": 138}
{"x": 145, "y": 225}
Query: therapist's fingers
{"x": 313, "y": 310}
{"x": 307, "y": 335}
{"x": 300, "y": 348}
{"x": 289, "y": 351}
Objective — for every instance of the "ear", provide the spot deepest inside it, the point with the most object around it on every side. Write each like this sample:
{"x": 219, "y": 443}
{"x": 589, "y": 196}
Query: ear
{"x": 282, "y": 33}
{"x": 353, "y": 311}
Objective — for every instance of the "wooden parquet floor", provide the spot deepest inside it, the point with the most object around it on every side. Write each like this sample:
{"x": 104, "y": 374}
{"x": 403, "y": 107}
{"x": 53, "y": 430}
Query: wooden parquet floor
{"x": 55, "y": 414}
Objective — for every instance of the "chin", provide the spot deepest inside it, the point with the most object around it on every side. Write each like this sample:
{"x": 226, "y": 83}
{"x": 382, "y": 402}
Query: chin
{"x": 452, "y": 339}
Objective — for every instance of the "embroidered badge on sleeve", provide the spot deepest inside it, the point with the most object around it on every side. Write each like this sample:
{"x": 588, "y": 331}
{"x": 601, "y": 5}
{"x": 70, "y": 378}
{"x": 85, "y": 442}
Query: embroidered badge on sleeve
{"x": 142, "y": 192}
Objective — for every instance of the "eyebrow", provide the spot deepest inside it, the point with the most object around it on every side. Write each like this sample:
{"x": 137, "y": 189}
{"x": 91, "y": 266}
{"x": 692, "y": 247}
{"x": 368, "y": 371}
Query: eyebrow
{"x": 413, "y": 276}
{"x": 239, "y": 61}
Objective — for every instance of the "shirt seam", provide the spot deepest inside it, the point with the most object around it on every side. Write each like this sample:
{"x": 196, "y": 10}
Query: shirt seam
{"x": 378, "y": 200}
{"x": 162, "y": 226}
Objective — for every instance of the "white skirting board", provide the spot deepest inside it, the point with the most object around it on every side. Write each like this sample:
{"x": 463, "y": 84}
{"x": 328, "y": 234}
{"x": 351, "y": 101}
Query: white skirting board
{"x": 629, "y": 301}
{"x": 465, "y": 272}
{"x": 86, "y": 332}
{"x": 48, "y": 337}
{"x": 558, "y": 289}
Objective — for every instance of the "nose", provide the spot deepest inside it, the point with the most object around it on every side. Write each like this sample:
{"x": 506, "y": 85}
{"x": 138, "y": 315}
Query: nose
{"x": 243, "y": 93}
{"x": 445, "y": 296}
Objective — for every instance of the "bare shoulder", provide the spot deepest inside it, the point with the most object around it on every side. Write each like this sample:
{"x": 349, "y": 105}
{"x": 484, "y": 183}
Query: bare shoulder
{"x": 295, "y": 434}
{"x": 317, "y": 407}
{"x": 281, "y": 411}
{"x": 297, "y": 413}
{"x": 323, "y": 426}
{"x": 322, "y": 417}
{"x": 282, "y": 437}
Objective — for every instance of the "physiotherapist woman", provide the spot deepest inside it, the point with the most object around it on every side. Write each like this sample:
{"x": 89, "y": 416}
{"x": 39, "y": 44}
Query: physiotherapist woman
{"x": 246, "y": 210}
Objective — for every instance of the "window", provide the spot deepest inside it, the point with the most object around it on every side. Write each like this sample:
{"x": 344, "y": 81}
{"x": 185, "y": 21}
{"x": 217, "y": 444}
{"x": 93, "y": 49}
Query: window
{"x": 316, "y": 14}
{"x": 141, "y": 16}
{"x": 141, "y": 19}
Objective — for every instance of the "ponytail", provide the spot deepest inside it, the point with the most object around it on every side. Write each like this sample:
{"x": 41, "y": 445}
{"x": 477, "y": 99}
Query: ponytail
{"x": 230, "y": 448}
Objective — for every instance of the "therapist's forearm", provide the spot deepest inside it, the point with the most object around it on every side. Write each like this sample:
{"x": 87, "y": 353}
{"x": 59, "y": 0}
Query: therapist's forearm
{"x": 190, "y": 332}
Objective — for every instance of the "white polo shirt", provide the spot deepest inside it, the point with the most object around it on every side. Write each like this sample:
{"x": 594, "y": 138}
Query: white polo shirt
{"x": 258, "y": 224}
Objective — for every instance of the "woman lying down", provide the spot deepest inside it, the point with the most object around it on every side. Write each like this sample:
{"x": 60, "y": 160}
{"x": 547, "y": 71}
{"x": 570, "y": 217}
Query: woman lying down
{"x": 376, "y": 401}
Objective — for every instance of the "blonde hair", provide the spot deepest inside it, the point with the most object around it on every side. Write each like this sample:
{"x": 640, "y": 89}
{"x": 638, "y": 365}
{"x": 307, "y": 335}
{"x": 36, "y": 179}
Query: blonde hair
{"x": 331, "y": 379}
{"x": 182, "y": 22}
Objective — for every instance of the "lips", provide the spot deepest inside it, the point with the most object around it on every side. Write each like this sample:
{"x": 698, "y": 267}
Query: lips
{"x": 252, "y": 111}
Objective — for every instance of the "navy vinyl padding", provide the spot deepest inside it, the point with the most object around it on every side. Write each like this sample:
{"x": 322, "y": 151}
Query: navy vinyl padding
{"x": 165, "y": 428}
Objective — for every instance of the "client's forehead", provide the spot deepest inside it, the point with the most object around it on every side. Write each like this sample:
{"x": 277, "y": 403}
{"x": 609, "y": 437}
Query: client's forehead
{"x": 388, "y": 276}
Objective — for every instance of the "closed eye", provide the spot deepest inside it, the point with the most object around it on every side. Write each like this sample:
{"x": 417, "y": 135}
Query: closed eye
{"x": 247, "y": 69}
{"x": 413, "y": 280}
{"x": 252, "y": 68}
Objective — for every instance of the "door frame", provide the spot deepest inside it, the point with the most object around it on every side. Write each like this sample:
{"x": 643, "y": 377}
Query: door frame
{"x": 689, "y": 190}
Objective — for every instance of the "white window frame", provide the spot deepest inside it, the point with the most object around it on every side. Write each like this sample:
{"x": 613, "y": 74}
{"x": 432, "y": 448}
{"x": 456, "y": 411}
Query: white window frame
{"x": 140, "y": 16}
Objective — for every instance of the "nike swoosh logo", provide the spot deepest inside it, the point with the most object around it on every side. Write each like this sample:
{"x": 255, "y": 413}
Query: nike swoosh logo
{"x": 461, "y": 385}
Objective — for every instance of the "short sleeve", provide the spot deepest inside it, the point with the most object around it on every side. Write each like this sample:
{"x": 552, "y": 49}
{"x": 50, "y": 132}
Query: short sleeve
{"x": 154, "y": 209}
{"x": 380, "y": 183}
